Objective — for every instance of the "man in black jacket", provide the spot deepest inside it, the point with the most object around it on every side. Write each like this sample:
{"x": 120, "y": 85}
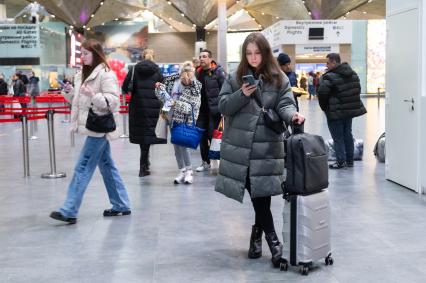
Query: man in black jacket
{"x": 339, "y": 97}
{"x": 211, "y": 76}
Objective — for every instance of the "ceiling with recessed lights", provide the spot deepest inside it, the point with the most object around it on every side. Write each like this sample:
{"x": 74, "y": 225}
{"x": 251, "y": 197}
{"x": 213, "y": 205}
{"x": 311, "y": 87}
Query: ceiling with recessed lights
{"x": 184, "y": 16}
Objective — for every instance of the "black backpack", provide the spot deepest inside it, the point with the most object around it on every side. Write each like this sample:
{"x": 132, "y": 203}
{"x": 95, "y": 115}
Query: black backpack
{"x": 306, "y": 163}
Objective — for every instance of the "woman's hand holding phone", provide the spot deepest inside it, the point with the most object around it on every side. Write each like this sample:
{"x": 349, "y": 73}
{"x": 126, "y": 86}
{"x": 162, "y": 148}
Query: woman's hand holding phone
{"x": 248, "y": 89}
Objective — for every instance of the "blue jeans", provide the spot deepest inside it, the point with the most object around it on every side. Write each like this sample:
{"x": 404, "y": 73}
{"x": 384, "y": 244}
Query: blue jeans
{"x": 95, "y": 152}
{"x": 341, "y": 132}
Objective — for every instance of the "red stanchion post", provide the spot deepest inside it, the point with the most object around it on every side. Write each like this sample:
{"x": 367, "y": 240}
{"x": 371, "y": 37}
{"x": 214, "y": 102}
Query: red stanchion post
{"x": 53, "y": 174}
{"x": 25, "y": 148}
{"x": 123, "y": 103}
{"x": 33, "y": 126}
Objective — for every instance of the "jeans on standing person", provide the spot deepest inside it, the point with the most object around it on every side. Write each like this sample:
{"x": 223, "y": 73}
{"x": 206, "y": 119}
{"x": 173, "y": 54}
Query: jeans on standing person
{"x": 341, "y": 132}
{"x": 209, "y": 123}
{"x": 183, "y": 158}
{"x": 95, "y": 152}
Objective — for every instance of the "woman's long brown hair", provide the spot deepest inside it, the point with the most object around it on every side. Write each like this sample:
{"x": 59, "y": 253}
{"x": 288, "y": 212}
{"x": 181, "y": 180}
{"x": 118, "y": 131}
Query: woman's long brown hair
{"x": 268, "y": 68}
{"x": 95, "y": 47}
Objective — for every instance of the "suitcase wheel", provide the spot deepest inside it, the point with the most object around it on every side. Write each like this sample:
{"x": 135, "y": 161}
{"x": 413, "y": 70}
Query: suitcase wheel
{"x": 284, "y": 265}
{"x": 304, "y": 270}
{"x": 329, "y": 260}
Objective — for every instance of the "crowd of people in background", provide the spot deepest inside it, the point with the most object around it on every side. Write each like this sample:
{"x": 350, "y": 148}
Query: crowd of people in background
{"x": 252, "y": 153}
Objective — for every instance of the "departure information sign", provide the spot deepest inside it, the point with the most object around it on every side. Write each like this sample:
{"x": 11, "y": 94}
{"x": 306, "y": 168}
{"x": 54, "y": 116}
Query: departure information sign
{"x": 19, "y": 40}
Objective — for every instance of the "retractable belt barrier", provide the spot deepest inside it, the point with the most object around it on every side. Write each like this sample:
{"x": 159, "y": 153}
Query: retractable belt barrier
{"x": 25, "y": 114}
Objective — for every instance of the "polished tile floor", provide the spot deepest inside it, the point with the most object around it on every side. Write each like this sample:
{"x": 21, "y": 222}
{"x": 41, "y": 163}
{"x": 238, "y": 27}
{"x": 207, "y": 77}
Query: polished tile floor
{"x": 189, "y": 233}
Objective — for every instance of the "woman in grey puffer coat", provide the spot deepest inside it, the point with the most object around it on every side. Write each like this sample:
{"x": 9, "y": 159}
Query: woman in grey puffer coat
{"x": 252, "y": 155}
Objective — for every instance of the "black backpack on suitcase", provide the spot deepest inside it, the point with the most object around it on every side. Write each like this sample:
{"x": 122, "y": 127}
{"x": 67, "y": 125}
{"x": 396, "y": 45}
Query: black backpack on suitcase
{"x": 306, "y": 163}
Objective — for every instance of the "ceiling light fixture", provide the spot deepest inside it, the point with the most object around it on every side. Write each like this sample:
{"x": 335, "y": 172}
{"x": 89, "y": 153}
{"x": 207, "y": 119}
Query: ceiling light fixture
{"x": 92, "y": 15}
{"x": 364, "y": 12}
{"x": 53, "y": 16}
{"x": 168, "y": 2}
{"x": 101, "y": 3}
{"x": 116, "y": 19}
{"x": 183, "y": 15}
{"x": 263, "y": 13}
{"x": 309, "y": 13}
{"x": 277, "y": 18}
{"x": 84, "y": 26}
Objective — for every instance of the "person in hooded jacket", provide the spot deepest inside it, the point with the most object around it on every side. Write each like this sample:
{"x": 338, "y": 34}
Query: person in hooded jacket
{"x": 252, "y": 154}
{"x": 144, "y": 107}
{"x": 339, "y": 97}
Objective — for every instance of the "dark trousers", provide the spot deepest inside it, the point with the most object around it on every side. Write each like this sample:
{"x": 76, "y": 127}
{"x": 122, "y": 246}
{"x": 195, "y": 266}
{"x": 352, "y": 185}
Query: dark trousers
{"x": 208, "y": 122}
{"x": 341, "y": 132}
{"x": 144, "y": 161}
{"x": 262, "y": 210}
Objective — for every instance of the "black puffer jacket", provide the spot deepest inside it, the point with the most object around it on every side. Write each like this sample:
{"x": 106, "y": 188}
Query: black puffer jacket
{"x": 339, "y": 93}
{"x": 144, "y": 106}
{"x": 213, "y": 81}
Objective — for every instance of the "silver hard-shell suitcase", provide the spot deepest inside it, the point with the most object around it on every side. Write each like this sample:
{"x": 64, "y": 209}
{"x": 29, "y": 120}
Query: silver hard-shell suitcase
{"x": 306, "y": 231}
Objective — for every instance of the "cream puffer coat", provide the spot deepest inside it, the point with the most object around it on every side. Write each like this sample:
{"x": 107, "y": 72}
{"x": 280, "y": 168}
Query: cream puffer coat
{"x": 104, "y": 84}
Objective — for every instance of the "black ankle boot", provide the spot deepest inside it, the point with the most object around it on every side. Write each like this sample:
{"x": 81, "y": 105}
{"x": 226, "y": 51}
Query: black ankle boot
{"x": 143, "y": 171}
{"x": 255, "y": 250}
{"x": 275, "y": 246}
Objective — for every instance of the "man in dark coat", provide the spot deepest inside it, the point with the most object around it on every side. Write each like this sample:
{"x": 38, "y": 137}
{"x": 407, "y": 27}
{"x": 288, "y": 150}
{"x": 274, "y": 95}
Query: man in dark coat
{"x": 285, "y": 64}
{"x": 211, "y": 76}
{"x": 339, "y": 97}
{"x": 144, "y": 109}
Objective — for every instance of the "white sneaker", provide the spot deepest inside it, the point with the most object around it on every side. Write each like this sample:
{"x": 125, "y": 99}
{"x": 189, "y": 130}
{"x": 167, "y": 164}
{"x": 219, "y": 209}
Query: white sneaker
{"x": 203, "y": 167}
{"x": 180, "y": 177}
{"x": 188, "y": 177}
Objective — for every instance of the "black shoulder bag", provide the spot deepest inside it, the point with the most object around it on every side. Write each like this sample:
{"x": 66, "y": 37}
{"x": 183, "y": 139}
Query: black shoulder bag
{"x": 271, "y": 117}
{"x": 100, "y": 123}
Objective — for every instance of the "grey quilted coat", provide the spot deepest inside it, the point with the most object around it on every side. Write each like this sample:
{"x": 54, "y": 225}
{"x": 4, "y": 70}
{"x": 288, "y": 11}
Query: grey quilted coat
{"x": 248, "y": 146}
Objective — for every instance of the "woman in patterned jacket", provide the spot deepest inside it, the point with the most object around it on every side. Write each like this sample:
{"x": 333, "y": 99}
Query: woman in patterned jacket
{"x": 181, "y": 95}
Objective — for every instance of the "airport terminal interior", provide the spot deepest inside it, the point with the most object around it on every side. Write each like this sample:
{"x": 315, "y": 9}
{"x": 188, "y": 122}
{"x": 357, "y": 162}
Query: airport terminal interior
{"x": 187, "y": 231}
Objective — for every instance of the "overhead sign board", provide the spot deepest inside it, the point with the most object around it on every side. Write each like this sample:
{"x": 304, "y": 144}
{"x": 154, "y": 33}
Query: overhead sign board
{"x": 309, "y": 32}
{"x": 19, "y": 41}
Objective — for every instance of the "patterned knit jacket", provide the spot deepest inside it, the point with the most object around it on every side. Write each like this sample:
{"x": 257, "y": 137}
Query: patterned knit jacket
{"x": 188, "y": 101}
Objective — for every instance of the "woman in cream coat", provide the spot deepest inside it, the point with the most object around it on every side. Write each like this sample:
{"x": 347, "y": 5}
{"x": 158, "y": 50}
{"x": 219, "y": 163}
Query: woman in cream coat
{"x": 95, "y": 85}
